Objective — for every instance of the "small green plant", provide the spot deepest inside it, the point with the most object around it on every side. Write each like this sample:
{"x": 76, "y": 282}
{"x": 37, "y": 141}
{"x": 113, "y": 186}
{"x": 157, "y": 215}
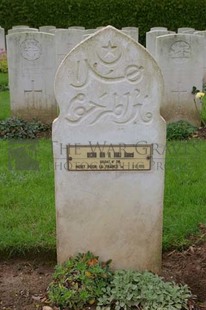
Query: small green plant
{"x": 79, "y": 282}
{"x": 3, "y": 62}
{"x": 145, "y": 291}
{"x": 84, "y": 281}
{"x": 15, "y": 128}
{"x": 180, "y": 130}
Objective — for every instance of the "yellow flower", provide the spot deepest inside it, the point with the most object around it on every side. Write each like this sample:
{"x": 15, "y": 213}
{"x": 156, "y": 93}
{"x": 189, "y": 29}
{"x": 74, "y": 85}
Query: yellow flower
{"x": 199, "y": 95}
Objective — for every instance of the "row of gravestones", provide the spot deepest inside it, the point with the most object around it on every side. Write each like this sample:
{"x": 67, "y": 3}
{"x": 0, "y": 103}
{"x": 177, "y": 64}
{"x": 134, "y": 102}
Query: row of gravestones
{"x": 33, "y": 58}
{"x": 133, "y": 31}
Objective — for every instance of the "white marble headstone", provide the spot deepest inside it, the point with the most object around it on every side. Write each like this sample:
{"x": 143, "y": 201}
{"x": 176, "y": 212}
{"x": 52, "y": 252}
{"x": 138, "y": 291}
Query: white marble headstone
{"x": 109, "y": 91}
{"x": 151, "y": 37}
{"x": 88, "y": 32}
{"x": 2, "y": 40}
{"x": 203, "y": 34}
{"x": 66, "y": 40}
{"x": 22, "y": 29}
{"x": 31, "y": 63}
{"x": 77, "y": 27}
{"x": 158, "y": 28}
{"x": 180, "y": 58}
{"x": 133, "y": 32}
{"x": 186, "y": 30}
{"x": 47, "y": 29}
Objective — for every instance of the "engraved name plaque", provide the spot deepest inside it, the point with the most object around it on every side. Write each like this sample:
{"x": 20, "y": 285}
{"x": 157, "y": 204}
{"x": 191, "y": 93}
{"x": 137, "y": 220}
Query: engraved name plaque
{"x": 109, "y": 157}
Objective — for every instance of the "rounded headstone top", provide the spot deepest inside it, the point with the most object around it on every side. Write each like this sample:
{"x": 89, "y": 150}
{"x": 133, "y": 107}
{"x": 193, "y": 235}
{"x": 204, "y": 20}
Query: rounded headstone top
{"x": 186, "y": 30}
{"x": 158, "y": 29}
{"x": 101, "y": 73}
{"x": 76, "y": 27}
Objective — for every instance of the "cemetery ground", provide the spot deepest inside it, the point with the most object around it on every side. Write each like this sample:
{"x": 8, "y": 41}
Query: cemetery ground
{"x": 27, "y": 222}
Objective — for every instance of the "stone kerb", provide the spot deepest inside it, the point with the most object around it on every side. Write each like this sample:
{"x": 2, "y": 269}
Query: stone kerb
{"x": 109, "y": 91}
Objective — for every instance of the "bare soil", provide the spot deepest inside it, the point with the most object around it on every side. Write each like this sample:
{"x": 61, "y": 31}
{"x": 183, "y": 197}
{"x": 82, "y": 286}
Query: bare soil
{"x": 23, "y": 283}
{"x": 200, "y": 133}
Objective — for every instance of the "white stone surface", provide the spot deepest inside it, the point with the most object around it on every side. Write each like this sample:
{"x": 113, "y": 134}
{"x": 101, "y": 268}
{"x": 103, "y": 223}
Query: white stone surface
{"x": 109, "y": 91}
{"x": 31, "y": 60}
{"x": 151, "y": 37}
{"x": 186, "y": 30}
{"x": 203, "y": 34}
{"x": 65, "y": 41}
{"x": 53, "y": 31}
{"x": 2, "y": 40}
{"x": 180, "y": 58}
{"x": 158, "y": 28}
{"x": 88, "y": 32}
{"x": 22, "y": 29}
{"x": 133, "y": 32}
{"x": 47, "y": 29}
{"x": 77, "y": 27}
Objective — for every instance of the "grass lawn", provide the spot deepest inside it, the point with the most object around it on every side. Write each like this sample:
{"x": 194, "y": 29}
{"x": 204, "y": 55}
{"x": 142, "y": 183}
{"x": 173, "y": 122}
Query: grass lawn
{"x": 4, "y": 105}
{"x": 4, "y": 97}
{"x": 27, "y": 210}
{"x": 27, "y": 221}
{"x": 3, "y": 78}
{"x": 185, "y": 197}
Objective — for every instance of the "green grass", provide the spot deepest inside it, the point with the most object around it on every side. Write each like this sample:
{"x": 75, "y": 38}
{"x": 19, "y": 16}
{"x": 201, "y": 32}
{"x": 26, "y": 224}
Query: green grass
{"x": 185, "y": 199}
{"x": 27, "y": 208}
{"x": 4, "y": 105}
{"x": 27, "y": 221}
{"x": 3, "y": 78}
{"x": 4, "y": 97}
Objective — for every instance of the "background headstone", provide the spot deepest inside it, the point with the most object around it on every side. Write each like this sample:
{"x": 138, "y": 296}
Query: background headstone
{"x": 203, "y": 34}
{"x": 46, "y": 29}
{"x": 109, "y": 91}
{"x": 22, "y": 29}
{"x": 180, "y": 58}
{"x": 133, "y": 32}
{"x": 151, "y": 40}
{"x": 158, "y": 28}
{"x": 77, "y": 27}
{"x": 186, "y": 30}
{"x": 31, "y": 63}
{"x": 2, "y": 40}
{"x": 151, "y": 37}
{"x": 65, "y": 41}
{"x": 88, "y": 32}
